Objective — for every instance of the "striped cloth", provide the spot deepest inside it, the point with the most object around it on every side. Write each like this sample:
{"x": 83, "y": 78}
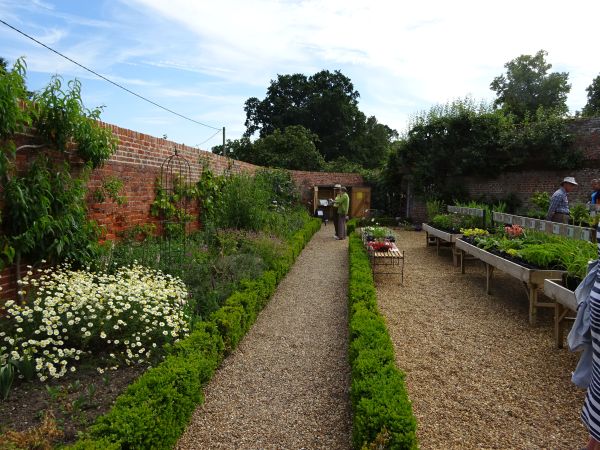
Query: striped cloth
{"x": 591, "y": 407}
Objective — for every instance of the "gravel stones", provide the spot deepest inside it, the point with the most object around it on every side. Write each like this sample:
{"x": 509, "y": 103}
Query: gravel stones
{"x": 478, "y": 374}
{"x": 287, "y": 384}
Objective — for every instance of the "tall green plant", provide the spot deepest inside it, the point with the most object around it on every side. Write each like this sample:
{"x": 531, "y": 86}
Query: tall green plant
{"x": 44, "y": 202}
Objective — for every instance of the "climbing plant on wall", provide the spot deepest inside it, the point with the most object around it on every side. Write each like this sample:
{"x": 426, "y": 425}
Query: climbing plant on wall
{"x": 44, "y": 202}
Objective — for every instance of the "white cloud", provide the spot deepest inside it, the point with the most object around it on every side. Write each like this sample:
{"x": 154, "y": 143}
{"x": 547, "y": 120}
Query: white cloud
{"x": 206, "y": 58}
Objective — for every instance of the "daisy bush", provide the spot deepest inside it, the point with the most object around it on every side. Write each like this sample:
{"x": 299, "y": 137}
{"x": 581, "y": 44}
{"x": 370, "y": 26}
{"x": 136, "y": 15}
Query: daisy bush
{"x": 112, "y": 319}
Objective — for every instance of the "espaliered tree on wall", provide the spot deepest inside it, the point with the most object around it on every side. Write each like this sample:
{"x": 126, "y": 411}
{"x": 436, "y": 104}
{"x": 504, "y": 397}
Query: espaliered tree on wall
{"x": 43, "y": 203}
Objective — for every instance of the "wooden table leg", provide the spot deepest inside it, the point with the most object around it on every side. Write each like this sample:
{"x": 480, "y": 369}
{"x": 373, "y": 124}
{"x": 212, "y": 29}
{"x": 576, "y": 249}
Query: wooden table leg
{"x": 489, "y": 271}
{"x": 437, "y": 246}
{"x": 462, "y": 262}
{"x": 558, "y": 334}
{"x": 532, "y": 304}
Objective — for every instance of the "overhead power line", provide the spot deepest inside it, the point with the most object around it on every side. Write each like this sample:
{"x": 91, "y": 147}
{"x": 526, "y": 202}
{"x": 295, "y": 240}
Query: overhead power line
{"x": 204, "y": 142}
{"x": 107, "y": 79}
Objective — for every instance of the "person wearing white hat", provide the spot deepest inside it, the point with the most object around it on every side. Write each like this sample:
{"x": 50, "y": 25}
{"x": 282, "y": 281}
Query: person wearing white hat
{"x": 558, "y": 211}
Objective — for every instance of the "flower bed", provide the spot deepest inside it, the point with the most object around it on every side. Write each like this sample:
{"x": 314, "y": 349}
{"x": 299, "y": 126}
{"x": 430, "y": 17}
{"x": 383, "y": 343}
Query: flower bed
{"x": 154, "y": 411}
{"x": 383, "y": 416}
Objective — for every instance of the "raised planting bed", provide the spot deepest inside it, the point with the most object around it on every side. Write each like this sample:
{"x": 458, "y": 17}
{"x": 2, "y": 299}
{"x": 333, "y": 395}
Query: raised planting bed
{"x": 565, "y": 307}
{"x": 441, "y": 238}
{"x": 533, "y": 279}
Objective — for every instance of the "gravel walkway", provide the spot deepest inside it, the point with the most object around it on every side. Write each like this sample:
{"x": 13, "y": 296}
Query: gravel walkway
{"x": 478, "y": 374}
{"x": 287, "y": 384}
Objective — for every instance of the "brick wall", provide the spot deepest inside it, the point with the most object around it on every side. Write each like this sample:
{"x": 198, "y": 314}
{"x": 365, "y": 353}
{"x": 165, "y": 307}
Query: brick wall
{"x": 524, "y": 183}
{"x": 137, "y": 163}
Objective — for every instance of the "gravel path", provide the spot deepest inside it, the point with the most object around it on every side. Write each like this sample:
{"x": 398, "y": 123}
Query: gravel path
{"x": 287, "y": 384}
{"x": 478, "y": 374}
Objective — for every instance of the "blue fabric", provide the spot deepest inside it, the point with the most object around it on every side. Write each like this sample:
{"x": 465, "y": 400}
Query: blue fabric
{"x": 594, "y": 197}
{"x": 580, "y": 336}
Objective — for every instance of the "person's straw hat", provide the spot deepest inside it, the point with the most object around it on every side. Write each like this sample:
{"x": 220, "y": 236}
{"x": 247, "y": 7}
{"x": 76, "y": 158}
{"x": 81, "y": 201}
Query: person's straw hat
{"x": 337, "y": 186}
{"x": 569, "y": 180}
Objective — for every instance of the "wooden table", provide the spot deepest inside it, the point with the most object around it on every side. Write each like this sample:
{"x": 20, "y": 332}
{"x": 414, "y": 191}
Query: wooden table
{"x": 533, "y": 279}
{"x": 441, "y": 238}
{"x": 565, "y": 307}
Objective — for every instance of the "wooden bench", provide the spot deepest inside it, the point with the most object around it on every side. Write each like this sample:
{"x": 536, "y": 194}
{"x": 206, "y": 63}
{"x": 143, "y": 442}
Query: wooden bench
{"x": 394, "y": 257}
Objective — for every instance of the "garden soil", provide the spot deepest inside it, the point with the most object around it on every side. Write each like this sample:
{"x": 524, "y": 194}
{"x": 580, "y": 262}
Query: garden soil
{"x": 286, "y": 386}
{"x": 478, "y": 375}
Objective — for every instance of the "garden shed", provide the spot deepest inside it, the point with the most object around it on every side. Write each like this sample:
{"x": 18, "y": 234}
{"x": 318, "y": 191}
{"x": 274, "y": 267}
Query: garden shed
{"x": 360, "y": 199}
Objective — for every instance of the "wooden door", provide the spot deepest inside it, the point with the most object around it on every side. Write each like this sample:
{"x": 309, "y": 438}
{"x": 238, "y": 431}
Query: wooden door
{"x": 360, "y": 201}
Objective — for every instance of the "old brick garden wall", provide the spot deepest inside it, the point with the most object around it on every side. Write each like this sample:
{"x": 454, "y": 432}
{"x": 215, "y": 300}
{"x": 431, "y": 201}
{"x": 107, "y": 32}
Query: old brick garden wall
{"x": 523, "y": 184}
{"x": 137, "y": 163}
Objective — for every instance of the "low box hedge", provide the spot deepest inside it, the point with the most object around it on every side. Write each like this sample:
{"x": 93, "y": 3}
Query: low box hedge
{"x": 154, "y": 410}
{"x": 383, "y": 416}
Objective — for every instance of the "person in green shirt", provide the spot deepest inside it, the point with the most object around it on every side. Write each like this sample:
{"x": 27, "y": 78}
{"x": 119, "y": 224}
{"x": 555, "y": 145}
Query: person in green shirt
{"x": 342, "y": 203}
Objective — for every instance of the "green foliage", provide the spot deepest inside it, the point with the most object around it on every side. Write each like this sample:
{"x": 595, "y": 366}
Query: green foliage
{"x": 111, "y": 188}
{"x": 463, "y": 138}
{"x": 580, "y": 214}
{"x": 351, "y": 225}
{"x": 7, "y": 375}
{"x": 446, "y": 222}
{"x": 592, "y": 107}
{"x": 208, "y": 189}
{"x": 379, "y": 398}
{"x": 434, "y": 208}
{"x": 60, "y": 118}
{"x": 543, "y": 250}
{"x": 169, "y": 205}
{"x": 44, "y": 204}
{"x": 541, "y": 200}
{"x": 13, "y": 95}
{"x": 154, "y": 411}
{"x": 245, "y": 205}
{"x": 46, "y": 215}
{"x": 326, "y": 104}
{"x": 527, "y": 86}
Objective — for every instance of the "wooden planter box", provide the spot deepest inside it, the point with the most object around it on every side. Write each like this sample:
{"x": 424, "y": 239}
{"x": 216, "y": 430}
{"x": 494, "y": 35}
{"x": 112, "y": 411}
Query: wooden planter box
{"x": 565, "y": 307}
{"x": 533, "y": 279}
{"x": 439, "y": 238}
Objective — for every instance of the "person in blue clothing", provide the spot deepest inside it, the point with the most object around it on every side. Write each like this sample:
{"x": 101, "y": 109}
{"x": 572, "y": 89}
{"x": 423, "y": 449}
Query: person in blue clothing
{"x": 595, "y": 192}
{"x": 558, "y": 211}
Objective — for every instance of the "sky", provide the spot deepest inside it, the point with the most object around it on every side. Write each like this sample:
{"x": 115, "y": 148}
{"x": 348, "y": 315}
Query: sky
{"x": 204, "y": 59}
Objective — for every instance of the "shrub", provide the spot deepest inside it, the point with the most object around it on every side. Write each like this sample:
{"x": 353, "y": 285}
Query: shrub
{"x": 122, "y": 318}
{"x": 154, "y": 411}
{"x": 381, "y": 408}
{"x": 351, "y": 225}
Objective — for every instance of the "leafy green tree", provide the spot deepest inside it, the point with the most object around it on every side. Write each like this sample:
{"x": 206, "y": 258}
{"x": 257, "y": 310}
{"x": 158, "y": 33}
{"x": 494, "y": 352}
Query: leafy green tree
{"x": 592, "y": 107}
{"x": 464, "y": 139}
{"x": 528, "y": 85}
{"x": 3, "y": 65}
{"x": 240, "y": 149}
{"x": 293, "y": 148}
{"x": 325, "y": 103}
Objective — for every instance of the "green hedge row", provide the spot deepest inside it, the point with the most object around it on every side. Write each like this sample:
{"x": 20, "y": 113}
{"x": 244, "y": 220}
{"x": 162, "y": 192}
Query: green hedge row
{"x": 351, "y": 225}
{"x": 154, "y": 410}
{"x": 383, "y": 416}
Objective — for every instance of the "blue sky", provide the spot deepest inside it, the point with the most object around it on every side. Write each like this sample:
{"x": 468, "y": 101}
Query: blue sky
{"x": 204, "y": 58}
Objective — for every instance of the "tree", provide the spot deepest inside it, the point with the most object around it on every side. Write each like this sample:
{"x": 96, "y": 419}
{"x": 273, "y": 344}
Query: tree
{"x": 293, "y": 148}
{"x": 592, "y": 107}
{"x": 528, "y": 86}
{"x": 325, "y": 103}
{"x": 3, "y": 65}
